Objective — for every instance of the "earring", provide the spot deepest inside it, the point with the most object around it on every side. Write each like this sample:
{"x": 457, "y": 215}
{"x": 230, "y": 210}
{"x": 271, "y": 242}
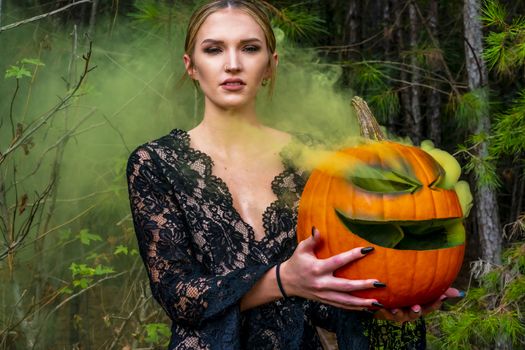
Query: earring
{"x": 265, "y": 82}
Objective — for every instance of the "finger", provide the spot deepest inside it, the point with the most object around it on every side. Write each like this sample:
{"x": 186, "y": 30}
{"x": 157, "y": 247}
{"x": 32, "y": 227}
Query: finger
{"x": 415, "y": 312}
{"x": 346, "y": 307}
{"x": 310, "y": 243}
{"x": 345, "y": 285}
{"x": 399, "y": 315}
{"x": 436, "y": 305}
{"x": 345, "y": 299}
{"x": 454, "y": 293}
{"x": 333, "y": 263}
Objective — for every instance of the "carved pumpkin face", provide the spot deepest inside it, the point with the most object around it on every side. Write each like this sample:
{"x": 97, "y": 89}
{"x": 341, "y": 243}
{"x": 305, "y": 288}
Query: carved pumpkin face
{"x": 395, "y": 198}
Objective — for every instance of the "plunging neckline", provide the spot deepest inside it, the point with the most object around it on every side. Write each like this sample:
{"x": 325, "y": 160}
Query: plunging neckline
{"x": 229, "y": 197}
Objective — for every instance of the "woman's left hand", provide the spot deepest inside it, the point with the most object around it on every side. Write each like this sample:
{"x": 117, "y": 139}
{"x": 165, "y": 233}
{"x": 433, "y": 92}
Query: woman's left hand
{"x": 416, "y": 311}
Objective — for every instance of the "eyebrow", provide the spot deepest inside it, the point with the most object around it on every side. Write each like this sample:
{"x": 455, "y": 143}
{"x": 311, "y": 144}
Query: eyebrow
{"x": 213, "y": 41}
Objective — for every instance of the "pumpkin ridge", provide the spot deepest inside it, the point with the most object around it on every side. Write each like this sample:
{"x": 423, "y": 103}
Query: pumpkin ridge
{"x": 439, "y": 193}
{"x": 382, "y": 162}
{"x": 434, "y": 274}
{"x": 423, "y": 168}
{"x": 412, "y": 197}
{"x": 326, "y": 217}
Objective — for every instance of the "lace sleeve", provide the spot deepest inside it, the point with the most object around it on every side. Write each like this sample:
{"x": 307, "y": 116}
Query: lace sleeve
{"x": 188, "y": 294}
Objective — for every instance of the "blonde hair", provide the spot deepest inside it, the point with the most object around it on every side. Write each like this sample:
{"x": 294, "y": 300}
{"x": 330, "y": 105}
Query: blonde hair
{"x": 252, "y": 8}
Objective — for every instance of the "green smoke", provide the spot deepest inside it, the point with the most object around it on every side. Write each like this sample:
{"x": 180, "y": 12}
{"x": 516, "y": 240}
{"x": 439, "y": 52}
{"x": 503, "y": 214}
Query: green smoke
{"x": 131, "y": 96}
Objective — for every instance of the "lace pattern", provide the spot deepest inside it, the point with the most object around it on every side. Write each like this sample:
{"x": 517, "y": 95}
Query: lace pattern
{"x": 201, "y": 257}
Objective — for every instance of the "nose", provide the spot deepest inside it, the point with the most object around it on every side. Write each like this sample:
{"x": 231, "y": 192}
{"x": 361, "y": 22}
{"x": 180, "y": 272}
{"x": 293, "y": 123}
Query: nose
{"x": 233, "y": 62}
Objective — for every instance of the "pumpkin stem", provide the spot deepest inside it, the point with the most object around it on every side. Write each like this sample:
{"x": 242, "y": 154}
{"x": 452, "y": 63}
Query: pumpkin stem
{"x": 369, "y": 127}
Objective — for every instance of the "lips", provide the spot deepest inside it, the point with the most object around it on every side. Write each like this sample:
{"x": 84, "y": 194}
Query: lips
{"x": 233, "y": 82}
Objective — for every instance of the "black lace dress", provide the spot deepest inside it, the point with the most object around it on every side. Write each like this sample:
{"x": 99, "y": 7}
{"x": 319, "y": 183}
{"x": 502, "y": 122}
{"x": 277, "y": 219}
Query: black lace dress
{"x": 201, "y": 258}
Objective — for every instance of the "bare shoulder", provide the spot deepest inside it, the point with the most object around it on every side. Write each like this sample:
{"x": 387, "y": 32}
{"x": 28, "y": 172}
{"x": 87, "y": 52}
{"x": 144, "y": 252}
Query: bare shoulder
{"x": 280, "y": 137}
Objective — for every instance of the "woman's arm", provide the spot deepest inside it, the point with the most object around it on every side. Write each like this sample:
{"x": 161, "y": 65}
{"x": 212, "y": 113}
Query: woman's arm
{"x": 188, "y": 294}
{"x": 306, "y": 276}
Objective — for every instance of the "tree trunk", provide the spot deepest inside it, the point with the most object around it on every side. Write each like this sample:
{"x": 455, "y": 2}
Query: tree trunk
{"x": 351, "y": 35}
{"x": 415, "y": 90}
{"x": 434, "y": 97}
{"x": 405, "y": 124}
{"x": 486, "y": 205}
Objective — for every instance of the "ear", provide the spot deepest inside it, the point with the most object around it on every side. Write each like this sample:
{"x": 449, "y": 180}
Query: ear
{"x": 275, "y": 59}
{"x": 190, "y": 68}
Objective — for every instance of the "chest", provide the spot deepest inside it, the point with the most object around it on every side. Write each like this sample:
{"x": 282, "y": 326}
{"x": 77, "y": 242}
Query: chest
{"x": 250, "y": 185}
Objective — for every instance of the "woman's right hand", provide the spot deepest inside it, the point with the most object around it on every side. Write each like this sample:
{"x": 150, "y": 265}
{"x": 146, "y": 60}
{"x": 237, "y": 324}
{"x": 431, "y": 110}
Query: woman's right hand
{"x": 306, "y": 276}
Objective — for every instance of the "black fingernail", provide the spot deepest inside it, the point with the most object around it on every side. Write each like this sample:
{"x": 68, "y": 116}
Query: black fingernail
{"x": 313, "y": 230}
{"x": 375, "y": 303}
{"x": 366, "y": 250}
{"x": 379, "y": 285}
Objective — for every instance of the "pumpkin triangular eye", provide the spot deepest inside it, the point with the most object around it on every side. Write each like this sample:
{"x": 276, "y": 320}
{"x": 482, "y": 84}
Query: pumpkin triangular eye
{"x": 378, "y": 180}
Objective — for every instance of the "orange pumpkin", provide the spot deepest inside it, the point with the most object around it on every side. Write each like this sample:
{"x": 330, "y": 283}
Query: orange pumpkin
{"x": 414, "y": 225}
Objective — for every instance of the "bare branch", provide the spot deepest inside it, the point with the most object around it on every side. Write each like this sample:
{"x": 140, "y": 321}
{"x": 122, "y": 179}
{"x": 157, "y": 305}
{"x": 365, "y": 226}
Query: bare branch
{"x": 17, "y": 142}
{"x": 42, "y": 16}
{"x": 82, "y": 291}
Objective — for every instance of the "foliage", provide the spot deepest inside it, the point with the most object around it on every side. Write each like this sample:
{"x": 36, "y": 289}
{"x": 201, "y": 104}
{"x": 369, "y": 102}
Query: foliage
{"x": 483, "y": 167}
{"x": 509, "y": 129}
{"x": 470, "y": 107}
{"x": 372, "y": 81}
{"x": 506, "y": 44}
{"x": 297, "y": 23}
{"x": 157, "y": 333}
{"x": 492, "y": 314}
{"x": 19, "y": 71}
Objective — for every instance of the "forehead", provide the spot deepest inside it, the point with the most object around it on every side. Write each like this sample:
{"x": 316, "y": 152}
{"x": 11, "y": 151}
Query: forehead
{"x": 229, "y": 24}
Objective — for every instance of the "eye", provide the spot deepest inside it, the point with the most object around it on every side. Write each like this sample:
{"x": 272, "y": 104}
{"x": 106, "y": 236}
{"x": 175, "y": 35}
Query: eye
{"x": 251, "y": 48}
{"x": 212, "y": 50}
{"x": 378, "y": 180}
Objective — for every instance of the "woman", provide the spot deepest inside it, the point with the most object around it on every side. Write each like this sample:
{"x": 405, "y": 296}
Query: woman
{"x": 215, "y": 211}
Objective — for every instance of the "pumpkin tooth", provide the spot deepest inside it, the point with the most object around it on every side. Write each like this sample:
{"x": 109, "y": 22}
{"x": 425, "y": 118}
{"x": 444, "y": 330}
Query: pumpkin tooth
{"x": 449, "y": 164}
{"x": 465, "y": 196}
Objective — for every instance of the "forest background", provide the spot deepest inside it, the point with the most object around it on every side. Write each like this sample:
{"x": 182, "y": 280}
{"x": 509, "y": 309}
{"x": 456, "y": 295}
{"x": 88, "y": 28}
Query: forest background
{"x": 84, "y": 82}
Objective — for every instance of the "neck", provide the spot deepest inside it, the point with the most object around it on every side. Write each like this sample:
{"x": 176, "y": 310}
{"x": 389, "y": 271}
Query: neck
{"x": 231, "y": 129}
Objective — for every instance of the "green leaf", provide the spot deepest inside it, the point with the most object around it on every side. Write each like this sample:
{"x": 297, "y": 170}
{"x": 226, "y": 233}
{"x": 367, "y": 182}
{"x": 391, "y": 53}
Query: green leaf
{"x": 121, "y": 249}
{"x": 156, "y": 332}
{"x": 17, "y": 72}
{"x": 86, "y": 237}
{"x": 384, "y": 235}
{"x": 33, "y": 61}
{"x": 82, "y": 283}
{"x": 103, "y": 270}
{"x": 372, "y": 179}
{"x": 81, "y": 269}
{"x": 65, "y": 290}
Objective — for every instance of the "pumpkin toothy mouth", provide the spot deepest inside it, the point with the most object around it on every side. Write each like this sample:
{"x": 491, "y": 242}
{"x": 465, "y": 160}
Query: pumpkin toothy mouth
{"x": 407, "y": 235}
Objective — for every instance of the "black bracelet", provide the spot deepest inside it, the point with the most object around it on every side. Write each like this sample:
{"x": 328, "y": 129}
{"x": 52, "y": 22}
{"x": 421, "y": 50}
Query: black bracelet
{"x": 278, "y": 277}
